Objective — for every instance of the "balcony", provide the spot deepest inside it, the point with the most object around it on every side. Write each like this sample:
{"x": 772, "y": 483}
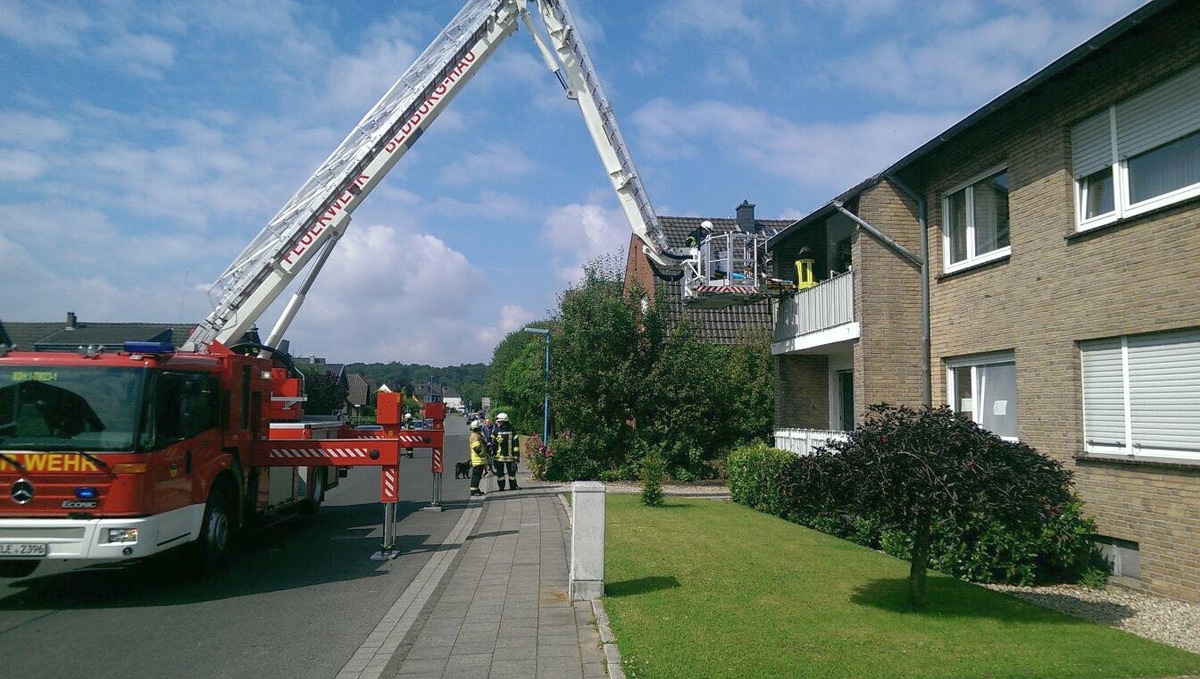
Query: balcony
{"x": 820, "y": 315}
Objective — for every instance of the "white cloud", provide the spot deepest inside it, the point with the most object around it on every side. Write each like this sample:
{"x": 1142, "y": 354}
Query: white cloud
{"x": 28, "y": 130}
{"x": 82, "y": 289}
{"x": 389, "y": 294}
{"x": 496, "y": 162}
{"x": 582, "y": 232}
{"x": 50, "y": 25}
{"x": 355, "y": 82}
{"x": 956, "y": 55}
{"x": 139, "y": 53}
{"x": 731, "y": 68}
{"x": 20, "y": 166}
{"x": 827, "y": 157}
{"x": 725, "y": 19}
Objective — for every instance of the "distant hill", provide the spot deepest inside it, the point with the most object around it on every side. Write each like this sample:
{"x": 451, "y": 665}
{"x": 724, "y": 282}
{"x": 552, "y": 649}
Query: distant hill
{"x": 466, "y": 379}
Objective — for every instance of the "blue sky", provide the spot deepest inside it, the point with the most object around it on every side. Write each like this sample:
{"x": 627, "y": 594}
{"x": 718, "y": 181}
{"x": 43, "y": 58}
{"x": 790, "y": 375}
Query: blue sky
{"x": 144, "y": 144}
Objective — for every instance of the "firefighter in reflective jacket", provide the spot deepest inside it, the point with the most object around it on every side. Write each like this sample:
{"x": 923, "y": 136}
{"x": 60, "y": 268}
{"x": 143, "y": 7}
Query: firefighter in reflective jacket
{"x": 479, "y": 456}
{"x": 507, "y": 448}
{"x": 408, "y": 425}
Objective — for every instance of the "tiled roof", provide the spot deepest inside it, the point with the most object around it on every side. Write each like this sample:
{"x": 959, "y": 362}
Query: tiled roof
{"x": 23, "y": 335}
{"x": 359, "y": 393}
{"x": 57, "y": 336}
{"x": 717, "y": 326}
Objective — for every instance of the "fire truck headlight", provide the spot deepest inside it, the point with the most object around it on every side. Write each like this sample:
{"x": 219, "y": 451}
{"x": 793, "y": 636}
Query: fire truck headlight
{"x": 122, "y": 535}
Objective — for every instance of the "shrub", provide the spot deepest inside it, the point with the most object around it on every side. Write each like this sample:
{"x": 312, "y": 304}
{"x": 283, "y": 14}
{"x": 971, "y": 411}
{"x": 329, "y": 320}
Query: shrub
{"x": 586, "y": 457}
{"x": 755, "y": 476}
{"x": 652, "y": 477}
{"x": 537, "y": 456}
{"x": 984, "y": 509}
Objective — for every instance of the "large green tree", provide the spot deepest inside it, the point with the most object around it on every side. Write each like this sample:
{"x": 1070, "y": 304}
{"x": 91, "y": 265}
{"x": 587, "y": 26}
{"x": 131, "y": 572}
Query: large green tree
{"x": 516, "y": 378}
{"x": 604, "y": 346}
{"x": 622, "y": 384}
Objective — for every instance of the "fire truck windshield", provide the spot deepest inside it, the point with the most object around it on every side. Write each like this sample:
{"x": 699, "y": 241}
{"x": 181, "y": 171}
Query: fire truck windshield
{"x": 69, "y": 408}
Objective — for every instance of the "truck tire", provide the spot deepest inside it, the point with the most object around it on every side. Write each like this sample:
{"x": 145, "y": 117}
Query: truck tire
{"x": 315, "y": 490}
{"x": 18, "y": 569}
{"x": 215, "y": 543}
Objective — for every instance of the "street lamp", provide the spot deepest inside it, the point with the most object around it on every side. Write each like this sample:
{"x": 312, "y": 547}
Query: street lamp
{"x": 546, "y": 400}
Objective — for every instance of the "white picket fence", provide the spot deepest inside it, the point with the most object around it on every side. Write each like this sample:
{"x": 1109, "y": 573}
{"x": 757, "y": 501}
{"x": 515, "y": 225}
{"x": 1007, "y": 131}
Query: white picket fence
{"x": 805, "y": 441}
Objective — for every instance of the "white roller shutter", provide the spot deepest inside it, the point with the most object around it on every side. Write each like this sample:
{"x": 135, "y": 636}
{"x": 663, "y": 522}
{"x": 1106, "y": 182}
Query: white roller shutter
{"x": 1104, "y": 405}
{"x": 1159, "y": 115}
{"x": 1164, "y": 388}
{"x": 1091, "y": 144}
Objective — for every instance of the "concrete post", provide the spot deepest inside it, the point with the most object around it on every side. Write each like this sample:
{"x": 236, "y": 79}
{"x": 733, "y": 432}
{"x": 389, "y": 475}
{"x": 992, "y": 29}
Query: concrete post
{"x": 587, "y": 541}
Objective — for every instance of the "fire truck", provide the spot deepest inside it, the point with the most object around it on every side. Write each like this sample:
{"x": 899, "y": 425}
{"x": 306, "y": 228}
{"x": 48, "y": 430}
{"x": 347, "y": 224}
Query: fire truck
{"x": 114, "y": 455}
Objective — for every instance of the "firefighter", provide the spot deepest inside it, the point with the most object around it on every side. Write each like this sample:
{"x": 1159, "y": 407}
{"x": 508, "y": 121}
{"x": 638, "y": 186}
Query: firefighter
{"x": 507, "y": 449}
{"x": 479, "y": 456}
{"x": 408, "y": 425}
{"x": 698, "y": 234}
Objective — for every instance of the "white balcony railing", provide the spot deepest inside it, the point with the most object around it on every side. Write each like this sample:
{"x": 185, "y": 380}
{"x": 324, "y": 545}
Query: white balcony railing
{"x": 805, "y": 441}
{"x": 825, "y": 305}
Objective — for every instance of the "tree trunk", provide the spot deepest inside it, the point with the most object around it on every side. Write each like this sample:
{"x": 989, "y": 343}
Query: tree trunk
{"x": 920, "y": 562}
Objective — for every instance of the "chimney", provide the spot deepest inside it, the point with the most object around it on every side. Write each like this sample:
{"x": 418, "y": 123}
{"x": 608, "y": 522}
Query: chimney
{"x": 72, "y": 322}
{"x": 745, "y": 217}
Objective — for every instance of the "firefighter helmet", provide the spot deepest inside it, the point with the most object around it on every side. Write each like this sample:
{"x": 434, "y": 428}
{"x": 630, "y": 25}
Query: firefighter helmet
{"x": 502, "y": 417}
{"x": 475, "y": 426}
{"x": 408, "y": 416}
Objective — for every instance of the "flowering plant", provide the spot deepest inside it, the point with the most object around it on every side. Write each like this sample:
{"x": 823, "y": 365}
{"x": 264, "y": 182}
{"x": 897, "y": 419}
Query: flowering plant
{"x": 538, "y": 455}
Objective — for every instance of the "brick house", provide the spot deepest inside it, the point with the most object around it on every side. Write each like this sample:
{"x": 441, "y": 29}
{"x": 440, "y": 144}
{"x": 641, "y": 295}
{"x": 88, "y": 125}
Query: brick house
{"x": 853, "y": 336}
{"x": 715, "y": 326}
{"x": 1060, "y": 225}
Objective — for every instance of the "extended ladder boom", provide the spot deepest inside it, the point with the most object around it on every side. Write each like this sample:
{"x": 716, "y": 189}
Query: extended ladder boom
{"x": 318, "y": 214}
{"x": 320, "y": 211}
{"x": 572, "y": 64}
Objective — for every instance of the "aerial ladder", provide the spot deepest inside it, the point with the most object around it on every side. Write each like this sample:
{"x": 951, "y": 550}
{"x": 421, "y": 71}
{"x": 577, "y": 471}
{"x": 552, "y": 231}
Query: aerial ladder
{"x": 302, "y": 235}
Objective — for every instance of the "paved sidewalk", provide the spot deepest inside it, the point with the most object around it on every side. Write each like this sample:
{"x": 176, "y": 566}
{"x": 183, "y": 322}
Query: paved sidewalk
{"x": 502, "y": 610}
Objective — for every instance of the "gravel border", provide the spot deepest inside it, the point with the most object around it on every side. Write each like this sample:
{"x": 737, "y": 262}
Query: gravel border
{"x": 1172, "y": 622}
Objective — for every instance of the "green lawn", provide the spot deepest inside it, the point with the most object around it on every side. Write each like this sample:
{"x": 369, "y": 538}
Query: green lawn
{"x": 702, "y": 588}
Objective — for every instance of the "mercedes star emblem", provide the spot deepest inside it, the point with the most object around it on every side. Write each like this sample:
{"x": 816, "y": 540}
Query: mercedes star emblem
{"x": 22, "y": 491}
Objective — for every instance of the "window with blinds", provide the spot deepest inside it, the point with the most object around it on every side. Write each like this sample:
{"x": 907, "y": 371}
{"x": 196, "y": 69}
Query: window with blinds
{"x": 1141, "y": 395}
{"x": 1140, "y": 154}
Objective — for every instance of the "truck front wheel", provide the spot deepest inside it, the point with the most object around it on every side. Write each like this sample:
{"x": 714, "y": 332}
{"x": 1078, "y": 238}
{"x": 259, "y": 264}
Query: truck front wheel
{"x": 216, "y": 532}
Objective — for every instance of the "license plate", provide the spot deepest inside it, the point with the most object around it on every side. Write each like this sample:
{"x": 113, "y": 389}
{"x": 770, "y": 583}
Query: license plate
{"x": 23, "y": 549}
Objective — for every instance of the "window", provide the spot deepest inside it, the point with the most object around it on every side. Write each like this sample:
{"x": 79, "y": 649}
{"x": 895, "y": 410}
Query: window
{"x": 183, "y": 405}
{"x": 1140, "y": 154}
{"x": 985, "y": 387}
{"x": 976, "y": 221}
{"x": 1141, "y": 395}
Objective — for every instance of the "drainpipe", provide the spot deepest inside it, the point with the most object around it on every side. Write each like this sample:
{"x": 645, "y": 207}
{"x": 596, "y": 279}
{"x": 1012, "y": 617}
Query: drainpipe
{"x": 921, "y": 261}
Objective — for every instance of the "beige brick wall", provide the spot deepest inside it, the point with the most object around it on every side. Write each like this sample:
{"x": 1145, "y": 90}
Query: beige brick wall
{"x": 802, "y": 392}
{"x": 1058, "y": 288}
{"x": 887, "y": 303}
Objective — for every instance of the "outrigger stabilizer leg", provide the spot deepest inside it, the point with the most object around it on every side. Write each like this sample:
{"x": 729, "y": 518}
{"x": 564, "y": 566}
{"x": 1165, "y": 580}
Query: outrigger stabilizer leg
{"x": 389, "y": 495}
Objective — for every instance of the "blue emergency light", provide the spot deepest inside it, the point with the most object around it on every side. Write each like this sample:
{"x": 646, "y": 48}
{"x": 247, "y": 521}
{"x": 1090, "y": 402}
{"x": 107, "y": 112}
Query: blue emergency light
{"x": 86, "y": 493}
{"x": 150, "y": 348}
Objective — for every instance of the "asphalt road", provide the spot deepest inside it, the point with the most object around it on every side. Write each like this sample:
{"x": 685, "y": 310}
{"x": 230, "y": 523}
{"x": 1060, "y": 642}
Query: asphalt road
{"x": 297, "y": 600}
